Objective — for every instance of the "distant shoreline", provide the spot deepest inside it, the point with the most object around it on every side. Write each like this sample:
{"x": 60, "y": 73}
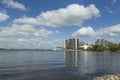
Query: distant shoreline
{"x": 52, "y": 50}
{"x": 27, "y": 49}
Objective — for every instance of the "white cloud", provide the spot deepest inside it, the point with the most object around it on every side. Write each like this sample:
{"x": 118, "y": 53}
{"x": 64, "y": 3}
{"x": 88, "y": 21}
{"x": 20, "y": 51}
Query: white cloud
{"x": 73, "y": 14}
{"x": 25, "y": 30}
{"x": 115, "y": 28}
{"x": 25, "y": 36}
{"x": 3, "y": 17}
{"x": 14, "y": 5}
{"x": 27, "y": 20}
{"x": 84, "y": 31}
{"x": 44, "y": 33}
{"x": 17, "y": 31}
{"x": 36, "y": 43}
{"x": 109, "y": 31}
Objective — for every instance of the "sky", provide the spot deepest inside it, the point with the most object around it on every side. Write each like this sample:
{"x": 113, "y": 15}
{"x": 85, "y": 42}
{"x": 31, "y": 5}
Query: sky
{"x": 44, "y": 24}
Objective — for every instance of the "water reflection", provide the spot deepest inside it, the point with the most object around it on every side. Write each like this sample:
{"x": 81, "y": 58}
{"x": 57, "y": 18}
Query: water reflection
{"x": 93, "y": 62}
{"x": 82, "y": 61}
{"x": 71, "y": 59}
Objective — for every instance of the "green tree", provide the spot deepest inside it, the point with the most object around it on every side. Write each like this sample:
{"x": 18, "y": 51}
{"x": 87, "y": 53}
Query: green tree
{"x": 113, "y": 47}
{"x": 99, "y": 48}
{"x": 119, "y": 46}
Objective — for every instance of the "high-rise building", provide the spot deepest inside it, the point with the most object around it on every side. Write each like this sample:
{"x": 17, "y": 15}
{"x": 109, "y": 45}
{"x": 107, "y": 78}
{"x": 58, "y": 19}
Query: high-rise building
{"x": 72, "y": 43}
{"x": 102, "y": 42}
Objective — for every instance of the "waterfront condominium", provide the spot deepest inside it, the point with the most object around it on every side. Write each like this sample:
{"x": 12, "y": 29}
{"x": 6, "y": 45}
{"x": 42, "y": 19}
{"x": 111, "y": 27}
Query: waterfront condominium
{"x": 102, "y": 42}
{"x": 72, "y": 43}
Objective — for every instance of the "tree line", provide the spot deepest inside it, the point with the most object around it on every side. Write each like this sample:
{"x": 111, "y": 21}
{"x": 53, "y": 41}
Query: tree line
{"x": 113, "y": 47}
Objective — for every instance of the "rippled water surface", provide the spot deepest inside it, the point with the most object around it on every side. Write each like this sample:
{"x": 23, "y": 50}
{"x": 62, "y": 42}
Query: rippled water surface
{"x": 55, "y": 65}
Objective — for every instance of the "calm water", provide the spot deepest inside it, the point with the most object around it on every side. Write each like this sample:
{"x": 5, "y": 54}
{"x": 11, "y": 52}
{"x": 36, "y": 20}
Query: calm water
{"x": 51, "y": 65}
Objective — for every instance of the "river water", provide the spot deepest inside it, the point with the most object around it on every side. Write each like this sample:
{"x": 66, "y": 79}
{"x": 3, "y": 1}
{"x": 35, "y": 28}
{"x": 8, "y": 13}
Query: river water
{"x": 57, "y": 65}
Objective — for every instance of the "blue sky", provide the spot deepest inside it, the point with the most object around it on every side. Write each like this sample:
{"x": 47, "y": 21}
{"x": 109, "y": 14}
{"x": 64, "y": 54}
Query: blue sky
{"x": 45, "y": 23}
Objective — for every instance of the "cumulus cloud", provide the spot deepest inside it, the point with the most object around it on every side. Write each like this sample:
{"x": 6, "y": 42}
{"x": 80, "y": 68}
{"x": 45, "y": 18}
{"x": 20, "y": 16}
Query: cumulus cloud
{"x": 73, "y": 14}
{"x": 24, "y": 36}
{"x": 3, "y": 17}
{"x": 19, "y": 43}
{"x": 36, "y": 43}
{"x": 14, "y": 5}
{"x": 20, "y": 30}
{"x": 107, "y": 31}
{"x": 17, "y": 31}
{"x": 27, "y": 20}
{"x": 45, "y": 33}
{"x": 84, "y": 31}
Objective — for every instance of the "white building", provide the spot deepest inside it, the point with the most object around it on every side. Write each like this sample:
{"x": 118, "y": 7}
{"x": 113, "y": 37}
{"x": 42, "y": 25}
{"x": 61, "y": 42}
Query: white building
{"x": 85, "y": 47}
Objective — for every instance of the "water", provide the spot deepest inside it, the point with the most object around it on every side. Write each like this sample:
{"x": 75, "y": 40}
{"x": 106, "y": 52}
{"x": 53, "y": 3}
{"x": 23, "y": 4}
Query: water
{"x": 53, "y": 65}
